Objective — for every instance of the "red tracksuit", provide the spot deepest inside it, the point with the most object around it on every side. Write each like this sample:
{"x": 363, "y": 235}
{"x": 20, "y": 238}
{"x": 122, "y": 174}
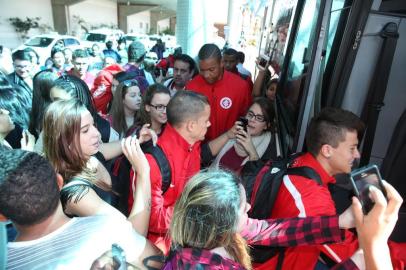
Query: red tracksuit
{"x": 229, "y": 99}
{"x": 184, "y": 160}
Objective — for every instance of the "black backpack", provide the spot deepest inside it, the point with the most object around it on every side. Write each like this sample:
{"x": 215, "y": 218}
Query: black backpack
{"x": 122, "y": 170}
{"x": 262, "y": 182}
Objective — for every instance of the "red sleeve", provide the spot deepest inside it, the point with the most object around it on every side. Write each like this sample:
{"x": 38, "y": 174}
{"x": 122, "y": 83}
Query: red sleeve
{"x": 162, "y": 64}
{"x": 250, "y": 84}
{"x": 160, "y": 214}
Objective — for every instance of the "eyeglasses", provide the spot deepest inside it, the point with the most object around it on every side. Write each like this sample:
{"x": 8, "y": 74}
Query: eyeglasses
{"x": 159, "y": 107}
{"x": 21, "y": 66}
{"x": 257, "y": 117}
{"x": 129, "y": 83}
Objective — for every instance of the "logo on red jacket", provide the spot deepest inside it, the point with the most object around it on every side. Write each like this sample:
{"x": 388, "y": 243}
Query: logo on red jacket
{"x": 226, "y": 103}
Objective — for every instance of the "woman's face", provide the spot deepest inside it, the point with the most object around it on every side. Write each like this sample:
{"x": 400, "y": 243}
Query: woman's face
{"x": 6, "y": 124}
{"x": 57, "y": 93}
{"x": 271, "y": 91}
{"x": 256, "y": 120}
{"x": 89, "y": 135}
{"x": 243, "y": 212}
{"x": 132, "y": 99}
{"x": 59, "y": 59}
{"x": 157, "y": 108}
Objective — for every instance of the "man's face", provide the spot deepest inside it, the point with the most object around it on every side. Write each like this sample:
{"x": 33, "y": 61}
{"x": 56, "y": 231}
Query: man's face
{"x": 108, "y": 61}
{"x": 230, "y": 62}
{"x": 211, "y": 69}
{"x": 343, "y": 156}
{"x": 181, "y": 73}
{"x": 202, "y": 124}
{"x": 81, "y": 65}
{"x": 22, "y": 68}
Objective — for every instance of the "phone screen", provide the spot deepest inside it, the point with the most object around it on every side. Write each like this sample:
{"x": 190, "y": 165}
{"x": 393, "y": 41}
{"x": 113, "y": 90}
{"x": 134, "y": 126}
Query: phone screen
{"x": 361, "y": 180}
{"x": 263, "y": 60}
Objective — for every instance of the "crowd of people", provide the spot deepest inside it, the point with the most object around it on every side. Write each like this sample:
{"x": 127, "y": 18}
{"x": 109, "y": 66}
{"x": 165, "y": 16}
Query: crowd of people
{"x": 98, "y": 149}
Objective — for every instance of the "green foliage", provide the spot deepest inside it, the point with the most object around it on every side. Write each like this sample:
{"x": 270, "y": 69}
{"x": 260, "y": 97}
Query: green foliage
{"x": 23, "y": 26}
{"x": 168, "y": 31}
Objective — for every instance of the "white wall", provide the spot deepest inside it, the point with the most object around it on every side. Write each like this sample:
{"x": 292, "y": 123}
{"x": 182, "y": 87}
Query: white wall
{"x": 163, "y": 25}
{"x": 93, "y": 12}
{"x": 139, "y": 23}
{"x": 22, "y": 9}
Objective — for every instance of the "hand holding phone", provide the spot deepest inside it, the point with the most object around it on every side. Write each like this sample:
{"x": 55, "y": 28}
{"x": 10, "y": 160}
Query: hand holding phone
{"x": 119, "y": 257}
{"x": 361, "y": 180}
{"x": 263, "y": 61}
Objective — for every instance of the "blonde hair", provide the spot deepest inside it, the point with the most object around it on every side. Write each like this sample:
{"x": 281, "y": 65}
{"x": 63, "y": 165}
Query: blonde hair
{"x": 207, "y": 213}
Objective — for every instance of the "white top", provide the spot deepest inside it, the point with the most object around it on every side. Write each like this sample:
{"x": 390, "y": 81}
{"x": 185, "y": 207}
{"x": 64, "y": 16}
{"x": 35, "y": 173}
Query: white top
{"x": 243, "y": 70}
{"x": 76, "y": 244}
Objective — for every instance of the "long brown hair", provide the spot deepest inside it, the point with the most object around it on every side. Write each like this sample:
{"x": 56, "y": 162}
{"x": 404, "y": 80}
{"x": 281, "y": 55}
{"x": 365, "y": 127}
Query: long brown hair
{"x": 117, "y": 107}
{"x": 62, "y": 137}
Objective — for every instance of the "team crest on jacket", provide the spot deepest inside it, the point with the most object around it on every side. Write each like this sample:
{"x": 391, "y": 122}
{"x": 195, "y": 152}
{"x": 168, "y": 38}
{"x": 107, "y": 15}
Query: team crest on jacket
{"x": 226, "y": 103}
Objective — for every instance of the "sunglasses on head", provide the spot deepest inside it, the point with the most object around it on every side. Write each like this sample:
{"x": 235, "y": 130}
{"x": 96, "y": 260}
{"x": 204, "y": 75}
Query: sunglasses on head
{"x": 129, "y": 83}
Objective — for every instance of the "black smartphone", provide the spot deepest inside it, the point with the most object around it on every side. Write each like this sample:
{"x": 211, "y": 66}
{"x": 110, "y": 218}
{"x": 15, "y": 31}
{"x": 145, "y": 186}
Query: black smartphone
{"x": 263, "y": 60}
{"x": 119, "y": 257}
{"x": 361, "y": 180}
{"x": 244, "y": 123}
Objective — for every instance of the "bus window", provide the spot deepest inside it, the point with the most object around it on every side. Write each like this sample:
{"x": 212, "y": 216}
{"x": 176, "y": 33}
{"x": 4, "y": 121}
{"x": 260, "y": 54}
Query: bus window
{"x": 291, "y": 91}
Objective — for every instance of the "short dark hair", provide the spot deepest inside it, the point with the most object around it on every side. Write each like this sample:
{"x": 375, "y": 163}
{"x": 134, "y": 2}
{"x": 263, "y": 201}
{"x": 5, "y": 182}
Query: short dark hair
{"x": 185, "y": 105}
{"x": 109, "y": 44}
{"x": 330, "y": 127}
{"x": 187, "y": 59}
{"x": 29, "y": 192}
{"x": 231, "y": 52}
{"x": 241, "y": 57}
{"x": 80, "y": 53}
{"x": 209, "y": 50}
{"x": 21, "y": 55}
{"x": 56, "y": 49}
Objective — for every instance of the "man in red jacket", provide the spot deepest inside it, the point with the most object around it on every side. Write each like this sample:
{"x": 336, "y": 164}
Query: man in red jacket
{"x": 228, "y": 94}
{"x": 332, "y": 143}
{"x": 188, "y": 119}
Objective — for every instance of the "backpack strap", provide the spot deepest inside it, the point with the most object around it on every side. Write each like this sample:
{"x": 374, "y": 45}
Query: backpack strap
{"x": 267, "y": 192}
{"x": 270, "y": 183}
{"x": 163, "y": 164}
{"x": 306, "y": 172}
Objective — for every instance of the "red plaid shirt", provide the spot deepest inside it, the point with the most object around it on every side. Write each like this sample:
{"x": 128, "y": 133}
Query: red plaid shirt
{"x": 277, "y": 232}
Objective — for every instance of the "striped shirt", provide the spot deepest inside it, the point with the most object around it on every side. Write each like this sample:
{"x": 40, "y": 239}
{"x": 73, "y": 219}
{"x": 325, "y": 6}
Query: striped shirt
{"x": 76, "y": 244}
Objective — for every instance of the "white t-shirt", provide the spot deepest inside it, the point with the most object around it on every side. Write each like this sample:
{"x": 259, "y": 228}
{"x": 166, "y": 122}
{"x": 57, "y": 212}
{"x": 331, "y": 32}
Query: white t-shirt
{"x": 76, "y": 244}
